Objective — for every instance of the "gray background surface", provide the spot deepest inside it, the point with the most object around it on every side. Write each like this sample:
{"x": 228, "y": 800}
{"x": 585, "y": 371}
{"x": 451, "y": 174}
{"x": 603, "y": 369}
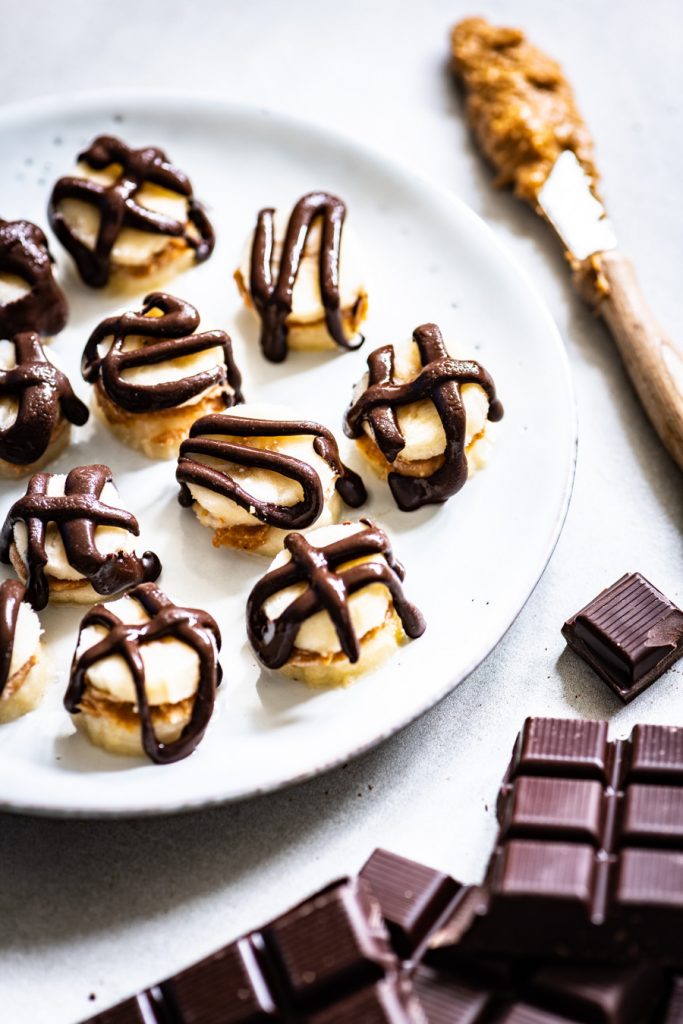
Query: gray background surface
{"x": 106, "y": 908}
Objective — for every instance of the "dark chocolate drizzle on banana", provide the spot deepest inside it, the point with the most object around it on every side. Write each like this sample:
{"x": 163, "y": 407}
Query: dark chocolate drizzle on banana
{"x": 24, "y": 253}
{"x": 77, "y": 514}
{"x": 191, "y": 626}
{"x": 119, "y": 208}
{"x": 328, "y": 589}
{"x": 288, "y": 517}
{"x": 43, "y": 394}
{"x": 273, "y": 299}
{"x": 12, "y": 593}
{"x": 440, "y": 381}
{"x": 170, "y": 337}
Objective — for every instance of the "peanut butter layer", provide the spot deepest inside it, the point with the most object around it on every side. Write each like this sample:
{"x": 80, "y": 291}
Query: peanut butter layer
{"x": 519, "y": 105}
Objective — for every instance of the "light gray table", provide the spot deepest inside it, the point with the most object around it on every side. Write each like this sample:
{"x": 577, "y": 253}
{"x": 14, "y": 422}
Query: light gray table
{"x": 106, "y": 908}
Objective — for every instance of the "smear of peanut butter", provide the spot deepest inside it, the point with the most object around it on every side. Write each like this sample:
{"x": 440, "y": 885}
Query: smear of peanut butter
{"x": 522, "y": 112}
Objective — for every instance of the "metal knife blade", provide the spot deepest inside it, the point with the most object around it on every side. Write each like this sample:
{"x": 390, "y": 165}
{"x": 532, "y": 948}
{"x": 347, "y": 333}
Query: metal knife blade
{"x": 576, "y": 215}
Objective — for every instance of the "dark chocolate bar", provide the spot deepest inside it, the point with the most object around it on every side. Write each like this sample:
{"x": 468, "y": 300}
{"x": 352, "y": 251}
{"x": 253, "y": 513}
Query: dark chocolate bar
{"x": 327, "y": 961}
{"x": 588, "y": 863}
{"x": 629, "y": 634}
{"x": 489, "y": 990}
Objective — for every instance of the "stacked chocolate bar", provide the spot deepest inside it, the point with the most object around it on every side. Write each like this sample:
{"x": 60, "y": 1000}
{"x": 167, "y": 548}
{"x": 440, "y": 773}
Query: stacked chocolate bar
{"x": 579, "y": 919}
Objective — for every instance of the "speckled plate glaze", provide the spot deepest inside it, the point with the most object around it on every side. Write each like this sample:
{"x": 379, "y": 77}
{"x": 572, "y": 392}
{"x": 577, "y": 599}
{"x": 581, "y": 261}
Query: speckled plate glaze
{"x": 471, "y": 564}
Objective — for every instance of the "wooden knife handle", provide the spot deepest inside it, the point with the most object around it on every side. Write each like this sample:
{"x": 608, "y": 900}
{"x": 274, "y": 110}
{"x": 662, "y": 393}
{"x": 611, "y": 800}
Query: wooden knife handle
{"x": 654, "y": 363}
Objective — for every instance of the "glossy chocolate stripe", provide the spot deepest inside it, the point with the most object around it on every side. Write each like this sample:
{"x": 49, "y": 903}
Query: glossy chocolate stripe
{"x": 12, "y": 593}
{"x": 77, "y": 514}
{"x": 440, "y": 381}
{"x": 327, "y": 590}
{"x": 197, "y": 629}
{"x": 273, "y": 299}
{"x": 173, "y": 338}
{"x": 118, "y": 207}
{"x": 24, "y": 253}
{"x": 289, "y": 517}
{"x": 43, "y": 394}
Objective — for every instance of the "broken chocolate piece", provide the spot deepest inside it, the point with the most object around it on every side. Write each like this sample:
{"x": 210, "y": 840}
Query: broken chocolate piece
{"x": 630, "y": 634}
{"x": 411, "y": 895}
{"x": 328, "y": 961}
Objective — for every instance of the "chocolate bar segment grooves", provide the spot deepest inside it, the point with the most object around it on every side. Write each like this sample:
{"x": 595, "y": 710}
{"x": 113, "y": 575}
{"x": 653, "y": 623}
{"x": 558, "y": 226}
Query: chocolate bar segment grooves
{"x": 630, "y": 634}
{"x": 588, "y": 863}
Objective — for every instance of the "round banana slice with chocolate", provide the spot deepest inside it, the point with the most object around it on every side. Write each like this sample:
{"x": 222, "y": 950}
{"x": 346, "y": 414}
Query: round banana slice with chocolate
{"x": 331, "y": 605}
{"x": 24, "y": 668}
{"x": 303, "y": 275}
{"x": 37, "y": 406}
{"x": 30, "y": 298}
{"x": 154, "y": 375}
{"x": 70, "y": 538}
{"x": 128, "y": 216}
{"x": 422, "y": 418}
{"x": 144, "y": 675}
{"x": 255, "y": 474}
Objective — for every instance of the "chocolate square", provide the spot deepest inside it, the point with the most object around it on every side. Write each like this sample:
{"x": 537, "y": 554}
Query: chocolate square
{"x": 629, "y": 634}
{"x": 555, "y": 746}
{"x": 555, "y": 809}
{"x": 411, "y": 896}
{"x": 226, "y": 988}
{"x": 332, "y": 943}
{"x": 387, "y": 1002}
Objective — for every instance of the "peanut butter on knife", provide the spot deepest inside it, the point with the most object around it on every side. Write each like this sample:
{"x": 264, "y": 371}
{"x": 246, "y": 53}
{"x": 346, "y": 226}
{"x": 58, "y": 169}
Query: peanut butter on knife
{"x": 522, "y": 112}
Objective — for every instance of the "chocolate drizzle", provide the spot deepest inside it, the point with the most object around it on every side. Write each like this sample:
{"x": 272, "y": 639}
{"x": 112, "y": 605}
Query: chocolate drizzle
{"x": 24, "y": 253}
{"x": 11, "y": 595}
{"x": 77, "y": 514}
{"x": 197, "y": 629}
{"x": 327, "y": 590}
{"x": 273, "y": 299}
{"x": 289, "y": 517}
{"x": 172, "y": 338}
{"x": 439, "y": 381}
{"x": 119, "y": 208}
{"x": 43, "y": 394}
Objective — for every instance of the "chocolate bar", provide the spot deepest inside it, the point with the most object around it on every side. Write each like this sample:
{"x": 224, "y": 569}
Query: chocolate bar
{"x": 629, "y": 634}
{"x": 588, "y": 862}
{"x": 327, "y": 961}
{"x": 487, "y": 990}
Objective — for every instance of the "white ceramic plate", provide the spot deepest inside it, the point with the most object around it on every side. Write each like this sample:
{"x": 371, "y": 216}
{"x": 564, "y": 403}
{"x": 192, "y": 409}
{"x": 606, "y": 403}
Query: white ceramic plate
{"x": 471, "y": 564}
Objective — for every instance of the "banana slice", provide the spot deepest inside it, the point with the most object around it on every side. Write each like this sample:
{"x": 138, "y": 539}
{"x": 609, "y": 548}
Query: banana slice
{"x": 181, "y": 374}
{"x": 273, "y": 499}
{"x": 133, "y": 249}
{"x": 159, "y": 702}
{"x": 356, "y": 614}
{"x": 24, "y": 668}
{"x": 410, "y": 448}
{"x": 307, "y": 304}
{"x": 305, "y": 322}
{"x": 71, "y": 539}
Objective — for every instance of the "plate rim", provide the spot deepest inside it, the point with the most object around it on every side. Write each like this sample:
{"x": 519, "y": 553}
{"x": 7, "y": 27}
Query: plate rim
{"x": 90, "y": 100}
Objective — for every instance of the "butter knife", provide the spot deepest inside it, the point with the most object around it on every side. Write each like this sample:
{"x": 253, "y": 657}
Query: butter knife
{"x": 606, "y": 279}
